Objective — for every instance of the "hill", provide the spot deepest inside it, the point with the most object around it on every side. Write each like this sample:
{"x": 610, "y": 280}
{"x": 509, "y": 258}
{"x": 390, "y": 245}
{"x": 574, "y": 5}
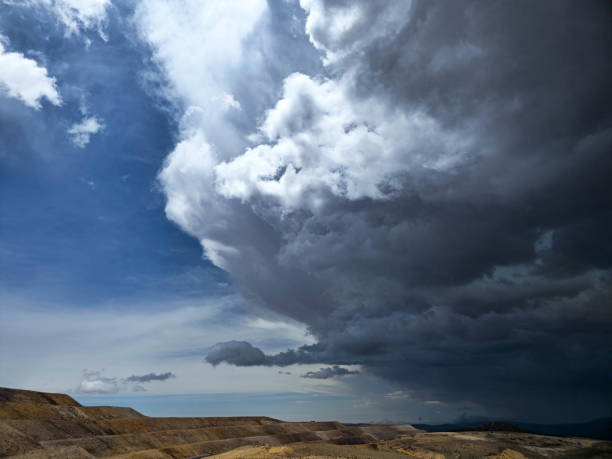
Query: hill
{"x": 37, "y": 425}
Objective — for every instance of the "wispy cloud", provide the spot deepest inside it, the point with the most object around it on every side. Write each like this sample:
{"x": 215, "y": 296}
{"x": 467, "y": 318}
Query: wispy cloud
{"x": 398, "y": 395}
{"x": 75, "y": 15}
{"x": 81, "y": 132}
{"x": 95, "y": 382}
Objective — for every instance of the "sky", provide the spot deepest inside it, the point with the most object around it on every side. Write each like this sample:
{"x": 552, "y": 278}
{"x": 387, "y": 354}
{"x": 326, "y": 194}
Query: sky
{"x": 357, "y": 210}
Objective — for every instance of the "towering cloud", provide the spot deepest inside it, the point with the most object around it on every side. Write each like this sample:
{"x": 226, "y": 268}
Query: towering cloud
{"x": 434, "y": 202}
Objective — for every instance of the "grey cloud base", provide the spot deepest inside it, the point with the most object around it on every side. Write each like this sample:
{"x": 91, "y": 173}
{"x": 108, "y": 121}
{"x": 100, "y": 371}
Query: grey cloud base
{"x": 329, "y": 372}
{"x": 151, "y": 377}
{"x": 437, "y": 210}
{"x": 244, "y": 354}
{"x": 238, "y": 353}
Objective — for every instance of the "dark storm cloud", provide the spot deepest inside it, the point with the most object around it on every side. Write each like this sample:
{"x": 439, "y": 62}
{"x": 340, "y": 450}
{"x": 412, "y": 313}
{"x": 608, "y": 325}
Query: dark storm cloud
{"x": 329, "y": 372}
{"x": 151, "y": 377}
{"x": 242, "y": 353}
{"x": 478, "y": 268}
{"x": 238, "y": 353}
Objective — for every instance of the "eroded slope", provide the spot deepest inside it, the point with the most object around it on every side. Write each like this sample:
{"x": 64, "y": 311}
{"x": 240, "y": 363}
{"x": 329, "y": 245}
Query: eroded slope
{"x": 36, "y": 424}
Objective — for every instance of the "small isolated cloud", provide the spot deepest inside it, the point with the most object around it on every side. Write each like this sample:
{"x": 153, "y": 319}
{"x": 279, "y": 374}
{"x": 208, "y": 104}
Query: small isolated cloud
{"x": 23, "y": 79}
{"x": 90, "y": 183}
{"x": 151, "y": 377}
{"x": 239, "y": 353}
{"x": 398, "y": 395}
{"x": 329, "y": 372}
{"x": 81, "y": 133}
{"x": 95, "y": 383}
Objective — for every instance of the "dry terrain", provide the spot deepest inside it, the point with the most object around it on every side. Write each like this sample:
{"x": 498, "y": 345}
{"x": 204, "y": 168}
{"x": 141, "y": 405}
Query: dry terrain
{"x": 43, "y": 425}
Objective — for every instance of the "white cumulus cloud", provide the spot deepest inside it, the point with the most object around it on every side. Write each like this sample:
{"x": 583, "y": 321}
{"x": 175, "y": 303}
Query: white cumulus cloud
{"x": 197, "y": 44}
{"x": 81, "y": 132}
{"x": 23, "y": 79}
{"x": 341, "y": 29}
{"x": 321, "y": 141}
{"x": 95, "y": 383}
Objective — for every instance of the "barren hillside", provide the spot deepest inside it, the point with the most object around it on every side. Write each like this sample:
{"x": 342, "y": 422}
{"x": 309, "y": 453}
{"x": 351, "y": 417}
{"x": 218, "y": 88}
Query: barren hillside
{"x": 43, "y": 425}
{"x": 36, "y": 424}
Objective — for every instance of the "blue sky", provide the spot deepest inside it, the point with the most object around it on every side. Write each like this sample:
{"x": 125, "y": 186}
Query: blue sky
{"x": 308, "y": 209}
{"x": 87, "y": 223}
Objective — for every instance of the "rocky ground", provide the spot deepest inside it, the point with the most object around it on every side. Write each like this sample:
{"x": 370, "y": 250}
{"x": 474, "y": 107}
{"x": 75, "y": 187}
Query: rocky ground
{"x": 42, "y": 425}
{"x": 491, "y": 445}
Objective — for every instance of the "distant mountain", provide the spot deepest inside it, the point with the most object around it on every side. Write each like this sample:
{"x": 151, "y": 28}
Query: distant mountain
{"x": 495, "y": 426}
{"x": 599, "y": 428}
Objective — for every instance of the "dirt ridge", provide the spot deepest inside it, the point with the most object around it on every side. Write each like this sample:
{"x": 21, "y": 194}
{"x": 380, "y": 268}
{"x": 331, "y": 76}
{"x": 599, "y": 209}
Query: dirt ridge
{"x": 38, "y": 424}
{"x": 35, "y": 425}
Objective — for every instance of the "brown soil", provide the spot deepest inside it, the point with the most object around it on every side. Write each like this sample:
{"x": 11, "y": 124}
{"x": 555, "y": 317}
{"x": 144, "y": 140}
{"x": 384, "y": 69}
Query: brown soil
{"x": 40, "y": 425}
{"x": 36, "y": 424}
